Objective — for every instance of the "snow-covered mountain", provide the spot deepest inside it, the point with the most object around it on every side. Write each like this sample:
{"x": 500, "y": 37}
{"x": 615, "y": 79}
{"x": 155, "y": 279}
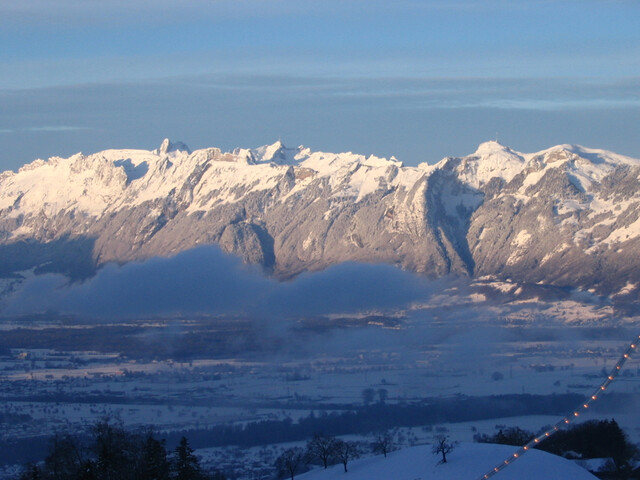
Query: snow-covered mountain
{"x": 566, "y": 216}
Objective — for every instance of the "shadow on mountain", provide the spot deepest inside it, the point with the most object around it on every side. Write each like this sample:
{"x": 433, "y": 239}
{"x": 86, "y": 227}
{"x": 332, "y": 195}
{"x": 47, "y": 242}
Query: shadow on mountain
{"x": 70, "y": 256}
{"x": 133, "y": 172}
{"x": 450, "y": 221}
{"x": 266, "y": 242}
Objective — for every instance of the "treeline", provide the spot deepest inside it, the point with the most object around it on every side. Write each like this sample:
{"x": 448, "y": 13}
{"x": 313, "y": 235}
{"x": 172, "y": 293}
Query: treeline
{"x": 114, "y": 453}
{"x": 142, "y": 342}
{"x": 327, "y": 450}
{"x": 591, "y": 439}
{"x": 357, "y": 420}
{"x": 110, "y": 452}
{"x": 380, "y": 417}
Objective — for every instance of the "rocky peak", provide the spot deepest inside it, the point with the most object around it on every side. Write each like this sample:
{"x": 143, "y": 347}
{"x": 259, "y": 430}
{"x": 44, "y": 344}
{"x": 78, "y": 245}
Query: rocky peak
{"x": 167, "y": 147}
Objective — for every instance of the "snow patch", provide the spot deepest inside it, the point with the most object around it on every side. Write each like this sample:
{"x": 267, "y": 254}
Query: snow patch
{"x": 522, "y": 239}
{"x": 520, "y": 243}
{"x": 627, "y": 289}
{"x": 491, "y": 160}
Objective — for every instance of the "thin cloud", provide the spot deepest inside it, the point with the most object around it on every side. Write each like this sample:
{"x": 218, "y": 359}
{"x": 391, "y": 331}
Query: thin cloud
{"x": 45, "y": 128}
{"x": 55, "y": 128}
{"x": 99, "y": 12}
{"x": 543, "y": 105}
{"x": 96, "y": 11}
{"x": 414, "y": 118}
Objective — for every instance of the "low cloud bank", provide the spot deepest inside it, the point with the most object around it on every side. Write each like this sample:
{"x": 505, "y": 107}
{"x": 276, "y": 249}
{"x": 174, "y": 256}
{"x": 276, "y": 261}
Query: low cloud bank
{"x": 205, "y": 280}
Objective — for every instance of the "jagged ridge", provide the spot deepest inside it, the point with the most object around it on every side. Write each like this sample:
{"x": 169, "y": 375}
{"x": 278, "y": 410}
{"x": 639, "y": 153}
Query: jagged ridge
{"x": 566, "y": 216}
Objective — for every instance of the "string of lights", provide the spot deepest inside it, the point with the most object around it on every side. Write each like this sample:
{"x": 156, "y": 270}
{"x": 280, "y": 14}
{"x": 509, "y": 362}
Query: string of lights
{"x": 569, "y": 418}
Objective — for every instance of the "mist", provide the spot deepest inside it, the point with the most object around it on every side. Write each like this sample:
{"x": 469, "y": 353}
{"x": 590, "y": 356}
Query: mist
{"x": 205, "y": 280}
{"x": 348, "y": 309}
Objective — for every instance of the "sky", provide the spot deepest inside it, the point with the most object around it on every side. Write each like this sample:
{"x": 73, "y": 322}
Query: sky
{"x": 419, "y": 80}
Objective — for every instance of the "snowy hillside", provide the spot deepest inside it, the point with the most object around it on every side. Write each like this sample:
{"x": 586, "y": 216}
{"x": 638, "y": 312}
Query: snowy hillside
{"x": 566, "y": 216}
{"x": 468, "y": 461}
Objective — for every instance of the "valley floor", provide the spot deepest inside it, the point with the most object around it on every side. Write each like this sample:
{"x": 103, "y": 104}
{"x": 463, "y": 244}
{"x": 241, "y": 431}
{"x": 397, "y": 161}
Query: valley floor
{"x": 181, "y": 375}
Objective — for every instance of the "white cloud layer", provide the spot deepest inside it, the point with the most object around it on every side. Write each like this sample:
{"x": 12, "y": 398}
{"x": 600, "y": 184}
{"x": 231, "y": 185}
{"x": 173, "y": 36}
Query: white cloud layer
{"x": 204, "y": 280}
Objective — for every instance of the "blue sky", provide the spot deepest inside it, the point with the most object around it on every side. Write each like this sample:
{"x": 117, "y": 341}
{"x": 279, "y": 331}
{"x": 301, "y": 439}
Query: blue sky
{"x": 414, "y": 79}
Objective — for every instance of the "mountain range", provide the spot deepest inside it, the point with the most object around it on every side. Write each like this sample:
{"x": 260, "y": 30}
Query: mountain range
{"x": 567, "y": 216}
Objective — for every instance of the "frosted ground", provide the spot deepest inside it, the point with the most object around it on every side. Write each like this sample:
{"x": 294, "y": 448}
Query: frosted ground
{"x": 463, "y": 343}
{"x": 467, "y": 461}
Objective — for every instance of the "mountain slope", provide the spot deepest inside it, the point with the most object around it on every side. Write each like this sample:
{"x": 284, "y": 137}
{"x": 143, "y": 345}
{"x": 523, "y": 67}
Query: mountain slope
{"x": 468, "y": 460}
{"x": 566, "y": 216}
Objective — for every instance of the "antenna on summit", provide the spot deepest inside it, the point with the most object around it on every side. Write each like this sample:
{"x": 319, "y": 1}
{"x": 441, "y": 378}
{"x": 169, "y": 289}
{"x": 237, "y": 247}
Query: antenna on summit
{"x": 497, "y": 138}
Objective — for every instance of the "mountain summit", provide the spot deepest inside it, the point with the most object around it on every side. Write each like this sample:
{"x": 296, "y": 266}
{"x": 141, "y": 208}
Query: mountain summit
{"x": 167, "y": 147}
{"x": 565, "y": 216}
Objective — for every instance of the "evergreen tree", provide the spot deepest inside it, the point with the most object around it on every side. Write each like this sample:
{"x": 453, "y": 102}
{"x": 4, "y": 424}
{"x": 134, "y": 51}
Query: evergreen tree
{"x": 594, "y": 439}
{"x": 154, "y": 464}
{"x": 186, "y": 465}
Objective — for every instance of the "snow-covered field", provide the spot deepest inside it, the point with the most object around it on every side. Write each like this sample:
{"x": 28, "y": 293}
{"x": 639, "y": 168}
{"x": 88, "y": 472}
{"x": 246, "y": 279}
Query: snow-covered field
{"x": 455, "y": 346}
{"x": 467, "y": 461}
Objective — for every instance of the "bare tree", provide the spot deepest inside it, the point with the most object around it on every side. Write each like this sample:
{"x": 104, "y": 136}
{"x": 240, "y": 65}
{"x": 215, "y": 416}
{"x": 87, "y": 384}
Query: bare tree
{"x": 290, "y": 461}
{"x": 443, "y": 446}
{"x": 322, "y": 447}
{"x": 65, "y": 458}
{"x": 383, "y": 443}
{"x": 346, "y": 451}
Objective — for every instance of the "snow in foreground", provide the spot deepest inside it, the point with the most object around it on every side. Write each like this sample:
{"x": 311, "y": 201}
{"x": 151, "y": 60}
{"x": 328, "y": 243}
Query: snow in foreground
{"x": 467, "y": 461}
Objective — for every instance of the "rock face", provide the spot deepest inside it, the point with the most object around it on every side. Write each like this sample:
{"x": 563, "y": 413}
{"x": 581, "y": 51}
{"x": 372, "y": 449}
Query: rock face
{"x": 566, "y": 216}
